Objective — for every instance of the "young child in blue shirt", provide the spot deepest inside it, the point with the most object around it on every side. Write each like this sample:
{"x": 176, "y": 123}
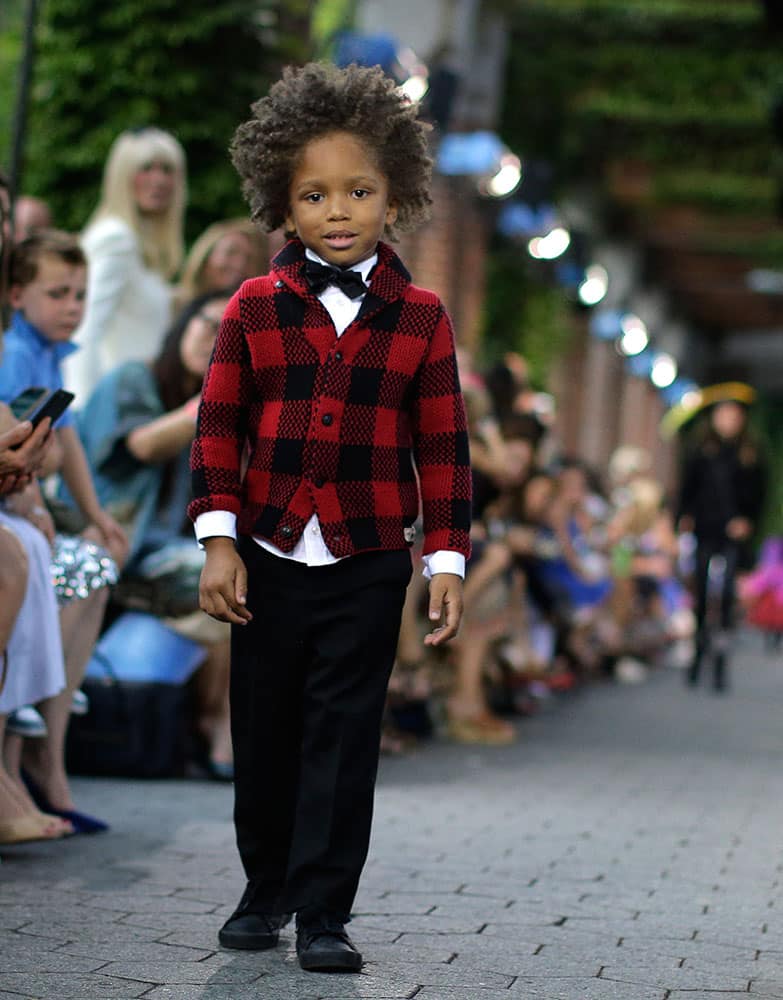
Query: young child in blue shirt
{"x": 48, "y": 273}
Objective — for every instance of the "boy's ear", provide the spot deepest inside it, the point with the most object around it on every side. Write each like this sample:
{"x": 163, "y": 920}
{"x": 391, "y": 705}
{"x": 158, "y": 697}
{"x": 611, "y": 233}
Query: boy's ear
{"x": 290, "y": 225}
{"x": 16, "y": 296}
{"x": 391, "y": 213}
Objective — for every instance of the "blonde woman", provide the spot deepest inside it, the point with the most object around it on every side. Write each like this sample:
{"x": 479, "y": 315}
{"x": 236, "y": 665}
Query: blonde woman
{"x": 225, "y": 255}
{"x": 134, "y": 247}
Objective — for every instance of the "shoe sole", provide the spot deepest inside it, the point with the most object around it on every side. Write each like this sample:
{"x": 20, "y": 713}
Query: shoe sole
{"x": 331, "y": 963}
{"x": 246, "y": 942}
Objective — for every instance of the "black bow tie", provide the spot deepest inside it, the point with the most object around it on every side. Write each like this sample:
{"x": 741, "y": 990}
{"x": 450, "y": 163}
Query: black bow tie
{"x": 319, "y": 276}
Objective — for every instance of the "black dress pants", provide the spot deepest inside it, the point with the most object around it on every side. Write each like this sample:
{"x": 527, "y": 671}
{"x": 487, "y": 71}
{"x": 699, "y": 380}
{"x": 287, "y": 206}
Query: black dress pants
{"x": 308, "y": 684}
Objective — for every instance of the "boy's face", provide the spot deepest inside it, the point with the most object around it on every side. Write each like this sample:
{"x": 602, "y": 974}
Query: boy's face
{"x": 339, "y": 200}
{"x": 54, "y": 301}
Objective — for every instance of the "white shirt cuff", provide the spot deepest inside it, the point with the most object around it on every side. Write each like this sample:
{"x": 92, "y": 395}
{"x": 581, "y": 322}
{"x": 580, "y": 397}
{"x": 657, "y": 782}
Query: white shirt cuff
{"x": 442, "y": 561}
{"x": 215, "y": 523}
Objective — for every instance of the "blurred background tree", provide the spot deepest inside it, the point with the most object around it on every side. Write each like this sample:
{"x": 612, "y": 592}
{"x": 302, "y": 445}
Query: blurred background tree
{"x": 191, "y": 69}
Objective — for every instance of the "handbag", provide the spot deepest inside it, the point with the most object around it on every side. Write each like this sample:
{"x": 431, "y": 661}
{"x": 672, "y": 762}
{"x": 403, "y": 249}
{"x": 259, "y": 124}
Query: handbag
{"x": 136, "y": 725}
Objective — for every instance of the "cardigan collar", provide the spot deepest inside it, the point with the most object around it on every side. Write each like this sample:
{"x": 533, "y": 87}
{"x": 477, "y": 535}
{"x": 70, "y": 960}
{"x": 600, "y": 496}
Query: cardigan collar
{"x": 388, "y": 282}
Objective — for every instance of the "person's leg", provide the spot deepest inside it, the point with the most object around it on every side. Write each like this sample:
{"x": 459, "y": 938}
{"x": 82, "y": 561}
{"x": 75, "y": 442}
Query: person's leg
{"x": 13, "y": 584}
{"x": 704, "y": 552}
{"x": 267, "y": 661}
{"x": 723, "y": 637}
{"x": 213, "y": 705}
{"x": 19, "y": 818}
{"x": 44, "y": 759}
{"x": 355, "y": 614}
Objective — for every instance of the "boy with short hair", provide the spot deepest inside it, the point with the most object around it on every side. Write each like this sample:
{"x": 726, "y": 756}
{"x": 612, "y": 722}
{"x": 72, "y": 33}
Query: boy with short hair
{"x": 338, "y": 373}
{"x": 47, "y": 283}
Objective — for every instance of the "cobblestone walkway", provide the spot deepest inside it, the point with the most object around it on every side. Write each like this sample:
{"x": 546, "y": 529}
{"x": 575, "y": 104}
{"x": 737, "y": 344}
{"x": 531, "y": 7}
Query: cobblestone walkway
{"x": 629, "y": 847}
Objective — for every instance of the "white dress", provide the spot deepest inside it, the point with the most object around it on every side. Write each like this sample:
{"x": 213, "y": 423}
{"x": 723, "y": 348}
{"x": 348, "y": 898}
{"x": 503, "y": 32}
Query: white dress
{"x": 128, "y": 308}
{"x": 36, "y": 669}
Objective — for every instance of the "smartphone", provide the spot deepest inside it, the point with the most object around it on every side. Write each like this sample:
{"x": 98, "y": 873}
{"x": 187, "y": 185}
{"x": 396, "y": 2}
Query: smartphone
{"x": 37, "y": 403}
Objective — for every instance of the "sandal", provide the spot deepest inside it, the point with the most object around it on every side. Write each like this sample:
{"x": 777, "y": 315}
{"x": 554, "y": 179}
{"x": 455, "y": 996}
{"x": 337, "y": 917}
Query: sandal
{"x": 485, "y": 728}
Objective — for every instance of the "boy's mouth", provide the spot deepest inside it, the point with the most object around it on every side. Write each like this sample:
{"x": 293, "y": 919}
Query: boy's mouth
{"x": 339, "y": 238}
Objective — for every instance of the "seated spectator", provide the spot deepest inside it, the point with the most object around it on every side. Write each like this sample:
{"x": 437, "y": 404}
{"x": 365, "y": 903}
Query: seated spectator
{"x": 137, "y": 429}
{"x": 486, "y": 595}
{"x": 133, "y": 242}
{"x": 47, "y": 282}
{"x": 225, "y": 255}
{"x": 646, "y": 594}
{"x": 31, "y": 659}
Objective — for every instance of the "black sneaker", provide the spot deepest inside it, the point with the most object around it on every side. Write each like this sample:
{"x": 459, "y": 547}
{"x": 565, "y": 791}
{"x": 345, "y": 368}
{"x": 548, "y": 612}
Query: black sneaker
{"x": 252, "y": 931}
{"x": 322, "y": 945}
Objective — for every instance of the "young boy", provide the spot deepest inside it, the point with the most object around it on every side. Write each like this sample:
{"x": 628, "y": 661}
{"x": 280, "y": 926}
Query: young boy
{"x": 337, "y": 373}
{"x": 48, "y": 275}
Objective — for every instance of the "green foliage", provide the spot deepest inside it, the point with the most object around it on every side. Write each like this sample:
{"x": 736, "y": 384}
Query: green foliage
{"x": 10, "y": 51}
{"x": 330, "y": 17}
{"x": 674, "y": 83}
{"x": 191, "y": 69}
{"x": 768, "y": 425}
{"x": 523, "y": 315}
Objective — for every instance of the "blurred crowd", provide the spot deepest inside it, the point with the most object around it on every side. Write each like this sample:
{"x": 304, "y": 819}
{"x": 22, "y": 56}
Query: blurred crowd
{"x": 577, "y": 574}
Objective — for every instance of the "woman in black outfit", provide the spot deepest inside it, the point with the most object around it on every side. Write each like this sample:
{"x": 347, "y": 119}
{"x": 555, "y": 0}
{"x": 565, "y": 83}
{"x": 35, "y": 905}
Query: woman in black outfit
{"x": 721, "y": 499}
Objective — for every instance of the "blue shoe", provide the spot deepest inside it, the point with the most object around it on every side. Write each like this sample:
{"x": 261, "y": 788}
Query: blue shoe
{"x": 81, "y": 822}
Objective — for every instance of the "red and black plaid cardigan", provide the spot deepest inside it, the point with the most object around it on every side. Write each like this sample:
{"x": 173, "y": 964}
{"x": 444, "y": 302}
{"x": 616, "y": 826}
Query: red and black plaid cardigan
{"x": 334, "y": 425}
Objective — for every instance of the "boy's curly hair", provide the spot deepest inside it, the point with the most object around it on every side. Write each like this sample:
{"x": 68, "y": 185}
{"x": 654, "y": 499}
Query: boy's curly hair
{"x": 313, "y": 101}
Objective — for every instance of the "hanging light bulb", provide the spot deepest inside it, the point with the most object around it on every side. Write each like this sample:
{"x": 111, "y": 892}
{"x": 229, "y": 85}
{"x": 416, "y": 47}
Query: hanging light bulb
{"x": 594, "y": 285}
{"x": 507, "y": 178}
{"x": 634, "y": 337}
{"x": 551, "y": 246}
{"x": 664, "y": 370}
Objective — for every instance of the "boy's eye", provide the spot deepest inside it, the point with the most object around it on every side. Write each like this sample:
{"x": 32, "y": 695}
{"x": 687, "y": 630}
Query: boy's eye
{"x": 360, "y": 193}
{"x": 314, "y": 197}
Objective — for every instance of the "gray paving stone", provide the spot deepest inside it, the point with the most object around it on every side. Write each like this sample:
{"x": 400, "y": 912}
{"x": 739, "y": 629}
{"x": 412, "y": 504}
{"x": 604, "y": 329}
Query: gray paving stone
{"x": 637, "y": 974}
{"x": 38, "y": 960}
{"x": 767, "y": 987}
{"x": 53, "y": 985}
{"x": 134, "y": 951}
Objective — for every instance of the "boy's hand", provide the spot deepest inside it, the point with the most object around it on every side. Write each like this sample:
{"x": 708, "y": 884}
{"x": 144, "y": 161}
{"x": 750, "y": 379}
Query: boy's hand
{"x": 223, "y": 588}
{"x": 446, "y": 606}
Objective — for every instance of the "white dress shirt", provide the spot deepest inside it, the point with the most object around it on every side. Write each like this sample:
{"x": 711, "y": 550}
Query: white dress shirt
{"x": 311, "y": 548}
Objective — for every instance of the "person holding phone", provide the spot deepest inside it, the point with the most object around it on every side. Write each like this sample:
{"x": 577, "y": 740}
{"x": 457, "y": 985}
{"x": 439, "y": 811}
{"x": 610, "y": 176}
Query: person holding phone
{"x": 31, "y": 658}
{"x": 48, "y": 276}
{"x": 23, "y": 449}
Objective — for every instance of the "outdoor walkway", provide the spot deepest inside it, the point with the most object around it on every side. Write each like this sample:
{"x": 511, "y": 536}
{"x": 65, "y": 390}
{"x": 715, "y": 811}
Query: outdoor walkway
{"x": 630, "y": 847}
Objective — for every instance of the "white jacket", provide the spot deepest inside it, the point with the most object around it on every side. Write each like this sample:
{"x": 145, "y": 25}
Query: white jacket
{"x": 128, "y": 308}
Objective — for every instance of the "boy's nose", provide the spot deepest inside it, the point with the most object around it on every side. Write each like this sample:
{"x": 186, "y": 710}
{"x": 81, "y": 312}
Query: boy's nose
{"x": 339, "y": 208}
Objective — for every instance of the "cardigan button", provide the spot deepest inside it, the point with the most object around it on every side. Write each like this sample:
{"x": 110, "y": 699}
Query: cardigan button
{"x": 279, "y": 283}
{"x": 338, "y": 355}
{"x": 319, "y": 484}
{"x": 327, "y": 419}
{"x": 286, "y": 531}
